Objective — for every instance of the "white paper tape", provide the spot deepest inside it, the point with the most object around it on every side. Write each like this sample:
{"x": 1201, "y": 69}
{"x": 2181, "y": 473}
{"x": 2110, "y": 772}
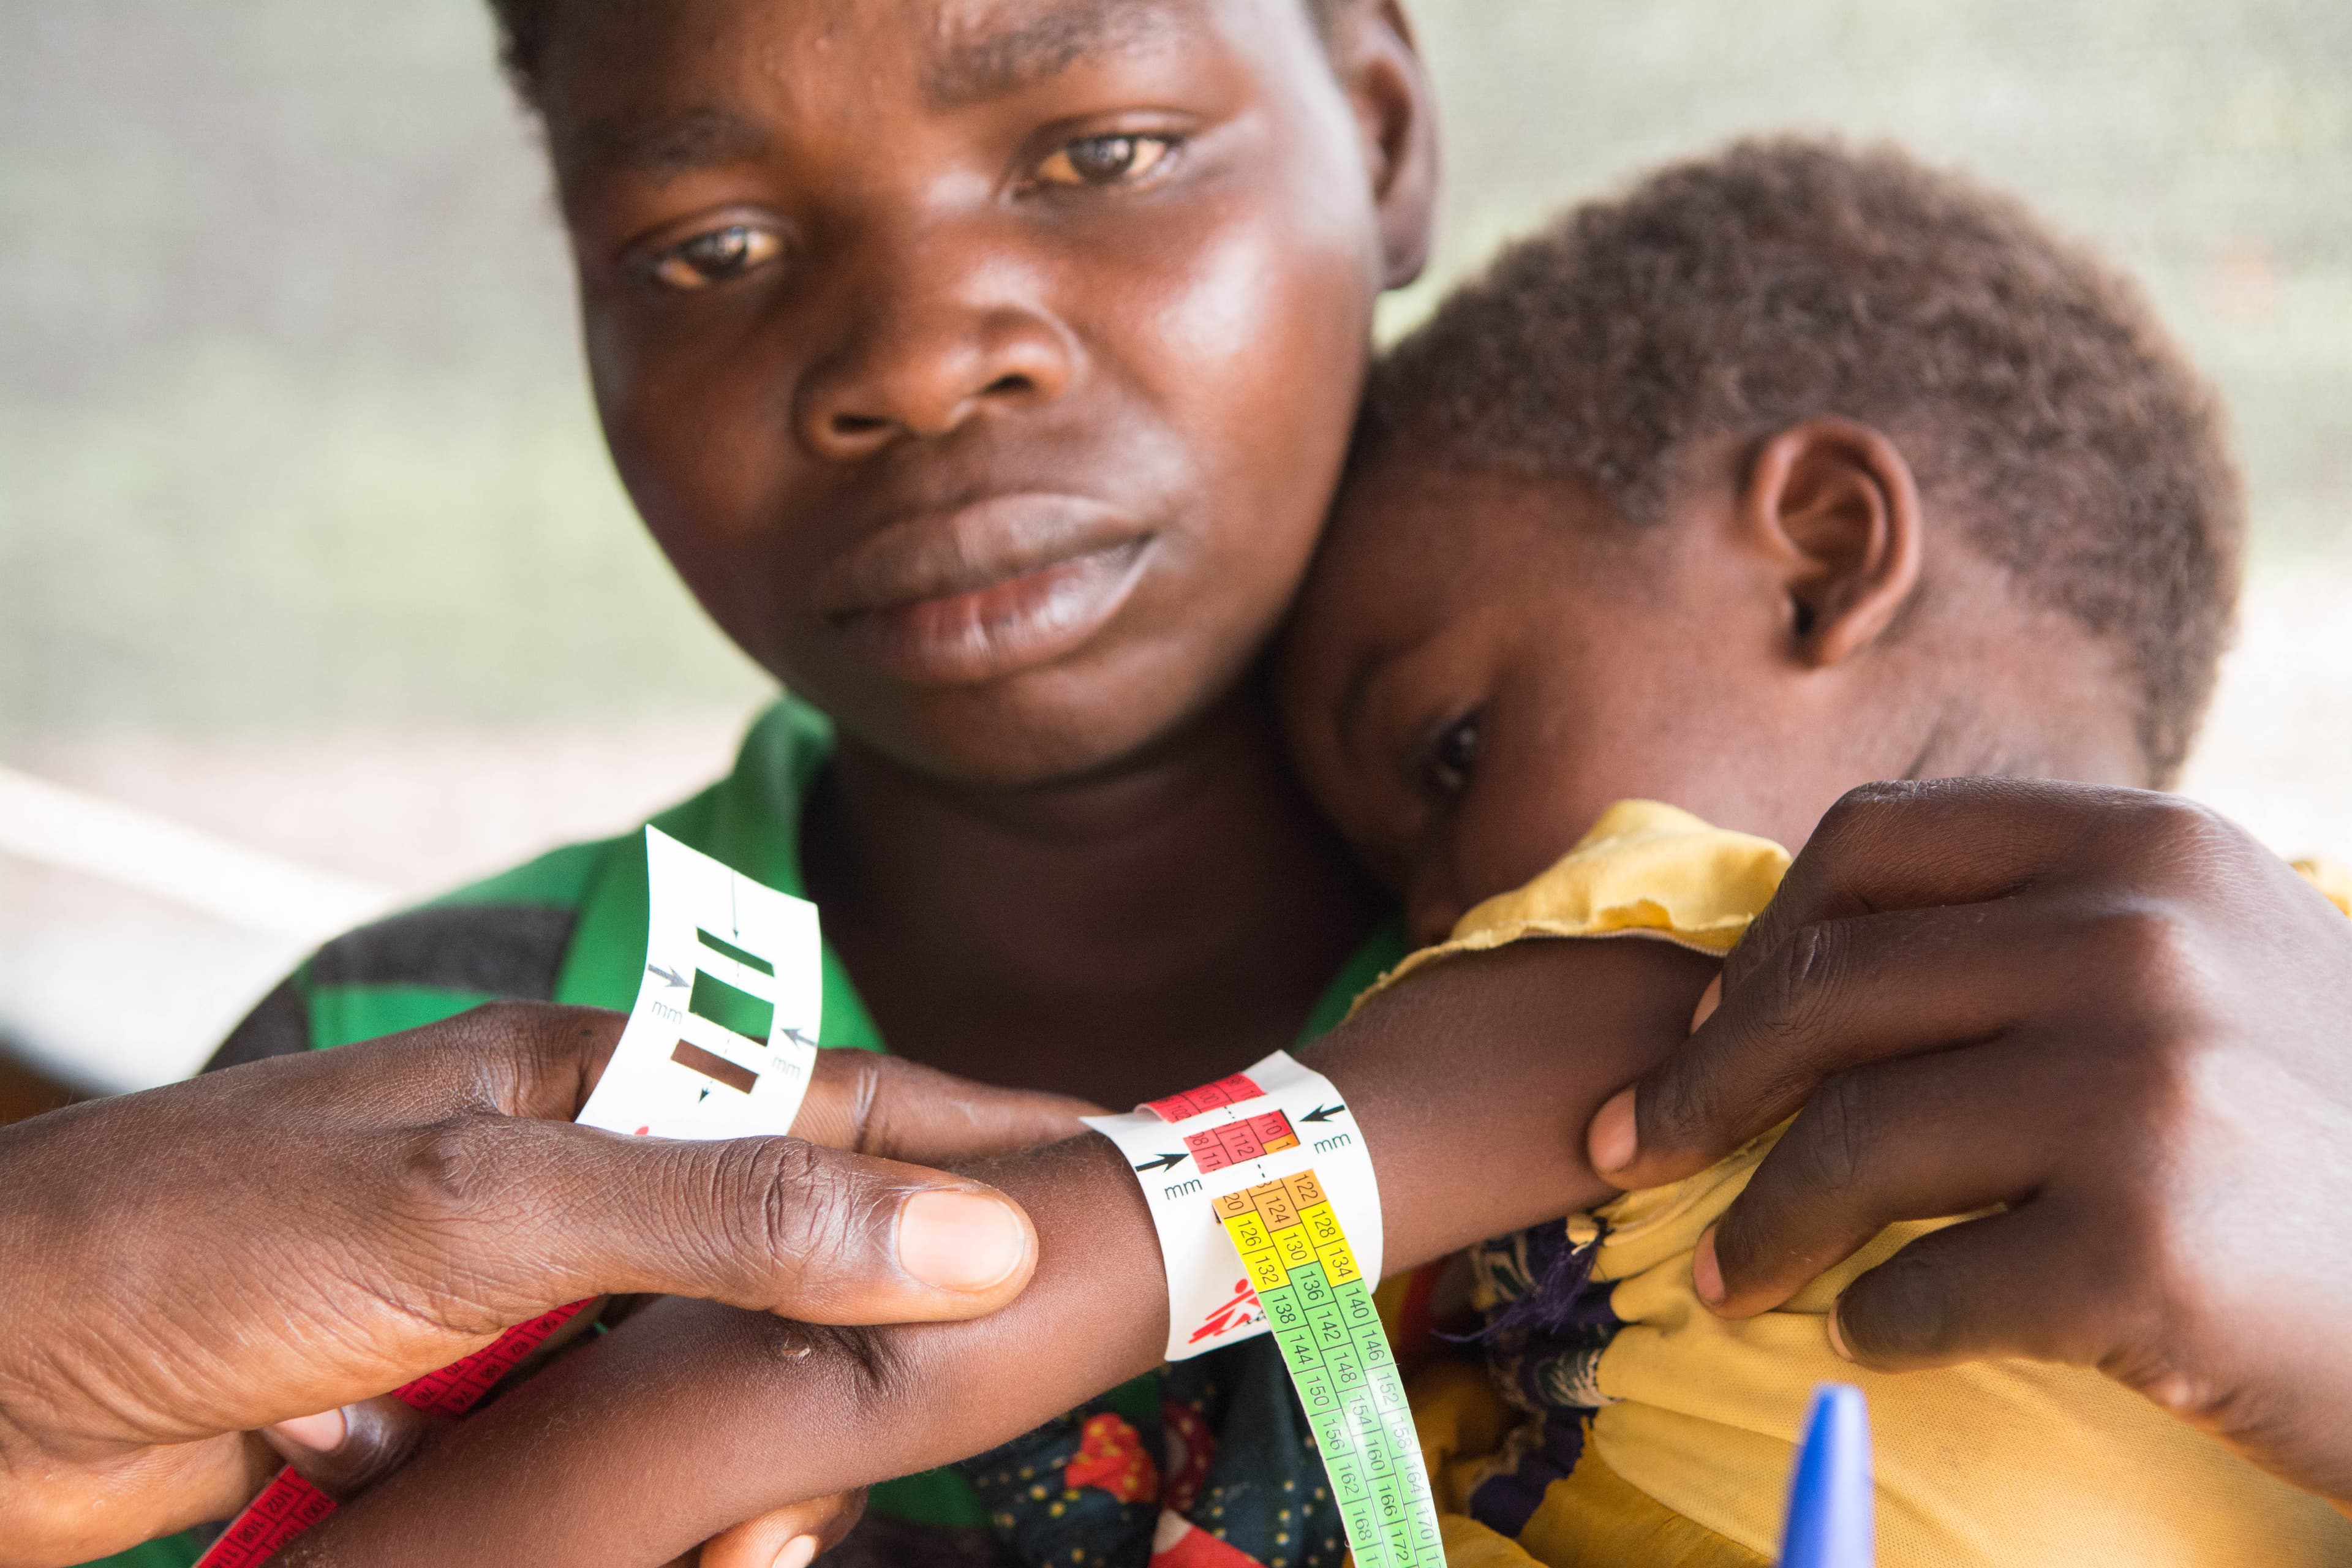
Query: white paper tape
{"x": 722, "y": 1041}
{"x": 1276, "y": 1120}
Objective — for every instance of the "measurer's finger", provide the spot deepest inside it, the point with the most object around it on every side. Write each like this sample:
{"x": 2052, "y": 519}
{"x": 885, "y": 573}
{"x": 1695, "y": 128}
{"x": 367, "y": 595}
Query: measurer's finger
{"x": 344, "y": 1452}
{"x": 544, "y": 1060}
{"x": 2031, "y": 1281}
{"x": 1919, "y": 1139}
{"x": 541, "y": 1212}
{"x": 897, "y": 1109}
{"x": 791, "y": 1537}
{"x": 1926, "y": 842}
{"x": 1836, "y": 995}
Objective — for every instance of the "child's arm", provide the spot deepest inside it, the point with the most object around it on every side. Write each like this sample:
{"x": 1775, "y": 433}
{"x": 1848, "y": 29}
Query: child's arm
{"x": 1472, "y": 1086}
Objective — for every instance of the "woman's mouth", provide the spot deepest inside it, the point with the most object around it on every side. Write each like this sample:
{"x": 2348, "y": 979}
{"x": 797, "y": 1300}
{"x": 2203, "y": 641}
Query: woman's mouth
{"x": 986, "y": 592}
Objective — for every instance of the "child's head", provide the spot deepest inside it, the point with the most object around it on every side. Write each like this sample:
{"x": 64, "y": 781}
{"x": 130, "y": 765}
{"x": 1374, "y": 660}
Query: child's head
{"x": 1792, "y": 470}
{"x": 984, "y": 367}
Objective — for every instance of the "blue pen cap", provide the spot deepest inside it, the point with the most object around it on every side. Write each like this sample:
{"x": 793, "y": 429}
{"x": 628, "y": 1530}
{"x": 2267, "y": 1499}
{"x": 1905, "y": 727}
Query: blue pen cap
{"x": 1828, "y": 1494}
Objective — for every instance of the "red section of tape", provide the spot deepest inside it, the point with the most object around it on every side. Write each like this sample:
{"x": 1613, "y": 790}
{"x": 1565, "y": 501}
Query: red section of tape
{"x": 1208, "y": 1097}
{"x": 1241, "y": 1141}
{"x": 289, "y": 1505}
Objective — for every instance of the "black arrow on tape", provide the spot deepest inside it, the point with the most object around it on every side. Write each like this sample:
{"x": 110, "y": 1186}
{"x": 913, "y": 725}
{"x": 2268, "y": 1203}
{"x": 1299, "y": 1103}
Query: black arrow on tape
{"x": 675, "y": 981}
{"x": 1165, "y": 1163}
{"x": 1323, "y": 1113}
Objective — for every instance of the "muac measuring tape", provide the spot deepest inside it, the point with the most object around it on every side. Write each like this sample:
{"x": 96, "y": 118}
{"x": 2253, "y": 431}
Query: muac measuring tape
{"x": 721, "y": 1044}
{"x": 1257, "y": 1169}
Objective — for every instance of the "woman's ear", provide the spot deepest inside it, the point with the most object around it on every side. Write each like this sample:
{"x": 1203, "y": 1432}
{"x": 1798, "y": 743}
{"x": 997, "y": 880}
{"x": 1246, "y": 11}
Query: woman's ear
{"x": 1372, "y": 46}
{"x": 1835, "y": 503}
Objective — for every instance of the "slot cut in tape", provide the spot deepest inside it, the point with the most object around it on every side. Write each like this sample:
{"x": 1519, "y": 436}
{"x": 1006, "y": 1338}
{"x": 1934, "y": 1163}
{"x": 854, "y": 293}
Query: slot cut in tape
{"x": 721, "y": 1044}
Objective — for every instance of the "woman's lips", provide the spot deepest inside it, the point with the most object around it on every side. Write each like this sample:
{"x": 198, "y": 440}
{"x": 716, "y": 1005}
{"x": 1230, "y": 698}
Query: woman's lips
{"x": 999, "y": 626}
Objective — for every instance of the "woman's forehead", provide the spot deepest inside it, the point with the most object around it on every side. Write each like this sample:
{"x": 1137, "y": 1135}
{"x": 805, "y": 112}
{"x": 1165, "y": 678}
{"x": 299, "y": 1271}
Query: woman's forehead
{"x": 950, "y": 52}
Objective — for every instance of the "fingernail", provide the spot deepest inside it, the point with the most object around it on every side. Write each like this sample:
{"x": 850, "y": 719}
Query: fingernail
{"x": 1837, "y": 1338}
{"x": 1707, "y": 1272}
{"x": 321, "y": 1433}
{"x": 960, "y": 1241}
{"x": 1709, "y": 1001}
{"x": 1612, "y": 1140}
{"x": 798, "y": 1552}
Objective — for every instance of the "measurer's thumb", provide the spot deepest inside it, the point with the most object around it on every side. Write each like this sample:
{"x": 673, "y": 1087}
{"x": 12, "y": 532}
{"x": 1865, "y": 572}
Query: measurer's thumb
{"x": 774, "y": 1223}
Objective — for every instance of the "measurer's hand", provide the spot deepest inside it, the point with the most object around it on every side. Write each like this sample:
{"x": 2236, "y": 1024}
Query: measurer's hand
{"x": 2109, "y": 1010}
{"x": 296, "y": 1235}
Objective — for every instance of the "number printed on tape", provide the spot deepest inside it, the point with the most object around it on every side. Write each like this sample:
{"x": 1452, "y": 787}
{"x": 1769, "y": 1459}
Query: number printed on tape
{"x": 1247, "y": 1180}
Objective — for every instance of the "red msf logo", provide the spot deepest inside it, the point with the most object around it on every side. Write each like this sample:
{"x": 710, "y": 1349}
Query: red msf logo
{"x": 1238, "y": 1313}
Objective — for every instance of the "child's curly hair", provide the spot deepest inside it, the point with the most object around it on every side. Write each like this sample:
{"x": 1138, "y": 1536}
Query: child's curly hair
{"x": 2030, "y": 385}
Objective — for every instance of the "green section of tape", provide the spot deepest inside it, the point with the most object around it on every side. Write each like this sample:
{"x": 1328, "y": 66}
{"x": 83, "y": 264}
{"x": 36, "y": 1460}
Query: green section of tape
{"x": 1347, "y": 1383}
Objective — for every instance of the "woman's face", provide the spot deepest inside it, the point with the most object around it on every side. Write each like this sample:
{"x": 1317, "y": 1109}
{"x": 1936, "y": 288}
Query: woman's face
{"x": 984, "y": 367}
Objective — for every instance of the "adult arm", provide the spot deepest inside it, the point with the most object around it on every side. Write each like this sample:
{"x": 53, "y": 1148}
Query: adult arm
{"x": 289, "y": 1236}
{"x": 2111, "y": 1012}
{"x": 1468, "y": 1085}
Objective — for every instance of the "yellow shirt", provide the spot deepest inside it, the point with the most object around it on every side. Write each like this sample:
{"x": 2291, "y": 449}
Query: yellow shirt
{"x": 1684, "y": 1463}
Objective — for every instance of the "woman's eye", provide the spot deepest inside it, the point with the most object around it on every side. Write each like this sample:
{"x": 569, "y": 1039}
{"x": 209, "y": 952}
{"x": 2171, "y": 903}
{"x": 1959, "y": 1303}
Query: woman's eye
{"x": 1454, "y": 755}
{"x": 1106, "y": 160}
{"x": 716, "y": 256}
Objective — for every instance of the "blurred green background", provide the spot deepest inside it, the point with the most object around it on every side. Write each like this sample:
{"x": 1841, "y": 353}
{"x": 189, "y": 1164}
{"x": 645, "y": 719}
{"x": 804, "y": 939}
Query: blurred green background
{"x": 307, "y": 537}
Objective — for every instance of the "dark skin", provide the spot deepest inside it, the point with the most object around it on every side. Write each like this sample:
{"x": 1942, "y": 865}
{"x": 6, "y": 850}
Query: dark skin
{"x": 1986, "y": 991}
{"x": 1465, "y": 701}
{"x": 683, "y": 1420}
{"x": 395, "y": 1205}
{"x": 1970, "y": 991}
{"x": 984, "y": 368}
{"x": 1020, "y": 683}
{"x": 1788, "y": 560}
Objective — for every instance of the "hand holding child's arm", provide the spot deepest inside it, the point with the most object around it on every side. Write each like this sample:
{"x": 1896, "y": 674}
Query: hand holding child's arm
{"x": 1469, "y": 1084}
{"x": 2112, "y": 1012}
{"x": 286, "y": 1235}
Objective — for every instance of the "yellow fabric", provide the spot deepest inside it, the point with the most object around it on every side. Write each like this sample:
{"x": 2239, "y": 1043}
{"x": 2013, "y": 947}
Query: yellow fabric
{"x": 2334, "y": 881}
{"x": 1645, "y": 869}
{"x": 2007, "y": 1463}
{"x": 1592, "y": 1517}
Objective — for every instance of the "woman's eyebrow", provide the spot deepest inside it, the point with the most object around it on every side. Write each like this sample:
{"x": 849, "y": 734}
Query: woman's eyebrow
{"x": 985, "y": 61}
{"x": 667, "y": 144}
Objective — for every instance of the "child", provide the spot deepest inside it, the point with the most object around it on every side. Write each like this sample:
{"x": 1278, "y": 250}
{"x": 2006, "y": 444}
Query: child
{"x": 1911, "y": 490}
{"x": 1898, "y": 486}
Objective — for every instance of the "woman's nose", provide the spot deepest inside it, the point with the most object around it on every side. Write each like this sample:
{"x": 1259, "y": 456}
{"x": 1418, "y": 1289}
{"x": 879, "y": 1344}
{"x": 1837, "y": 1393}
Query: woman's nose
{"x": 925, "y": 359}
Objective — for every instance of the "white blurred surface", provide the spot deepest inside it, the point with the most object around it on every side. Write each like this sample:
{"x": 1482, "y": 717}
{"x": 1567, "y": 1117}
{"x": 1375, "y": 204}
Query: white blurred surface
{"x": 2277, "y": 753}
{"x": 110, "y": 986}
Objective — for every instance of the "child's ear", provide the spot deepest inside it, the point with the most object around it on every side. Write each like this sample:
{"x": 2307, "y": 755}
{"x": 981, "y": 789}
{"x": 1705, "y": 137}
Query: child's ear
{"x": 1835, "y": 503}
{"x": 1381, "y": 66}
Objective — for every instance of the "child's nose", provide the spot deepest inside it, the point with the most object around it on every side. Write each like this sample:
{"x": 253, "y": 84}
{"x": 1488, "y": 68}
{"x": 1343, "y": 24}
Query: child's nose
{"x": 925, "y": 369}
